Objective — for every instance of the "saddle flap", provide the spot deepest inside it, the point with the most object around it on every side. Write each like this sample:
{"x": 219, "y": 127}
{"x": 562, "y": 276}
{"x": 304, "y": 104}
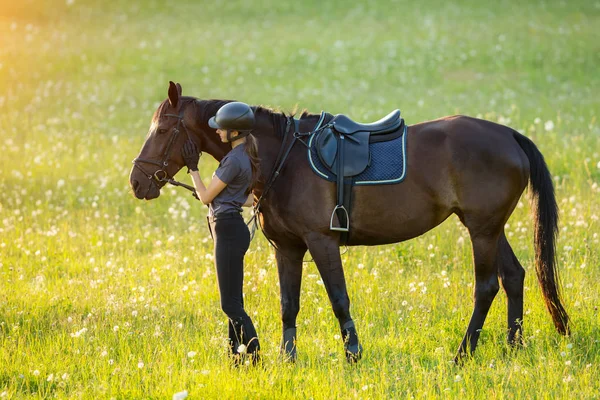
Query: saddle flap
{"x": 327, "y": 147}
{"x": 356, "y": 152}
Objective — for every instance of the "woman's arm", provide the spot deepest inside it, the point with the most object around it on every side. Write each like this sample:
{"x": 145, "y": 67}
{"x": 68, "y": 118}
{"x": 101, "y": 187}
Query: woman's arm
{"x": 207, "y": 194}
{"x": 249, "y": 201}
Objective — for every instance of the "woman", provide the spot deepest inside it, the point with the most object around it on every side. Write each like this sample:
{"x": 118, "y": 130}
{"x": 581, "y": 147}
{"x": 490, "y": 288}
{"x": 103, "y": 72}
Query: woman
{"x": 229, "y": 190}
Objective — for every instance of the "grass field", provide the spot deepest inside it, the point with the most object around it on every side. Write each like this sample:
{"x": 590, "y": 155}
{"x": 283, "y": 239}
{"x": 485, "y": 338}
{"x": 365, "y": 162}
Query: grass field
{"x": 105, "y": 296}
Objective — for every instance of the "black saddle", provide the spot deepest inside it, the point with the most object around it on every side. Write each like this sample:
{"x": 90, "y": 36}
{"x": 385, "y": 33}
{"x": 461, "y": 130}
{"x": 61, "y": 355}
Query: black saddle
{"x": 345, "y": 125}
{"x": 355, "y": 139}
{"x": 343, "y": 147}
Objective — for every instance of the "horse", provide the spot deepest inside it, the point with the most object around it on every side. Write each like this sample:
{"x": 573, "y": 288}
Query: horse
{"x": 473, "y": 168}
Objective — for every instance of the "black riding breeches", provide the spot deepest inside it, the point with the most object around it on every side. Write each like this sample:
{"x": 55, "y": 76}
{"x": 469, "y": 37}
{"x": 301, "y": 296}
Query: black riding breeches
{"x": 231, "y": 240}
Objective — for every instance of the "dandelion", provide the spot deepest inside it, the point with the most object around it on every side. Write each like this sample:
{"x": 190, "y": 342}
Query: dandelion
{"x": 457, "y": 378}
{"x": 50, "y": 378}
{"x": 191, "y": 354}
{"x": 36, "y": 373}
{"x": 180, "y": 395}
{"x": 242, "y": 349}
{"x": 141, "y": 365}
{"x": 65, "y": 376}
{"x": 366, "y": 387}
{"x": 548, "y": 126}
{"x": 111, "y": 361}
{"x": 115, "y": 328}
{"x": 570, "y": 346}
{"x": 79, "y": 332}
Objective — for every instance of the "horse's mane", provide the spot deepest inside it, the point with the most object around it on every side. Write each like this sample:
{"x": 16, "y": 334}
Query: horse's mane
{"x": 205, "y": 109}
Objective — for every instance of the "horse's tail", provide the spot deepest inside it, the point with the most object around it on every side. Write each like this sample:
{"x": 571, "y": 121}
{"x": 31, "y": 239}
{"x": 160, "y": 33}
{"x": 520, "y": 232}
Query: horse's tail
{"x": 545, "y": 211}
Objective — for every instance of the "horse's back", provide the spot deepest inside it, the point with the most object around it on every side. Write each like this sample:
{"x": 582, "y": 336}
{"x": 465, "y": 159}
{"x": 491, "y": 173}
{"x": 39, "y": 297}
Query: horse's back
{"x": 455, "y": 164}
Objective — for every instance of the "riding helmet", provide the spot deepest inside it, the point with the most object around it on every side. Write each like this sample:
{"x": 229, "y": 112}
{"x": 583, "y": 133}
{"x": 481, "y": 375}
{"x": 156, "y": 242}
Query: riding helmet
{"x": 234, "y": 116}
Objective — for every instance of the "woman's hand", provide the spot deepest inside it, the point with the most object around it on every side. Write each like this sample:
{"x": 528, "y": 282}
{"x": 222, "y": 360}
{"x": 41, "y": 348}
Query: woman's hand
{"x": 191, "y": 155}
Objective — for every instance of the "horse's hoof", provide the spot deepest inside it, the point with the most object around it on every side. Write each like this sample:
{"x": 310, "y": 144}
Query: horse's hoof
{"x": 289, "y": 356}
{"x": 288, "y": 346}
{"x": 354, "y": 353}
{"x": 460, "y": 359}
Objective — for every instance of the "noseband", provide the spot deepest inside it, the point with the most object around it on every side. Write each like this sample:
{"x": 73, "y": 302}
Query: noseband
{"x": 161, "y": 174}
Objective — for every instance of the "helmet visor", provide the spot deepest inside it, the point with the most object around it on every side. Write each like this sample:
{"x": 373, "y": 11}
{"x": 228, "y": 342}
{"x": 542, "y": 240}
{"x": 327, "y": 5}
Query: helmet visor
{"x": 212, "y": 122}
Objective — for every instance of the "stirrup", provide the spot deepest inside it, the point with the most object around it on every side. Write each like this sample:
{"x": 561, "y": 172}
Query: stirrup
{"x": 340, "y": 228}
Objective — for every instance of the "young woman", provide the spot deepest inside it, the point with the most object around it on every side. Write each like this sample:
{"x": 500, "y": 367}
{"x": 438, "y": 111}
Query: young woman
{"x": 229, "y": 190}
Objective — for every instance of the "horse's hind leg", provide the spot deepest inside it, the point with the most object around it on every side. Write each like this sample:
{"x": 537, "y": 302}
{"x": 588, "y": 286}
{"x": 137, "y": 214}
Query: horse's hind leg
{"x": 485, "y": 245}
{"x": 326, "y": 253}
{"x": 512, "y": 276}
{"x": 289, "y": 266}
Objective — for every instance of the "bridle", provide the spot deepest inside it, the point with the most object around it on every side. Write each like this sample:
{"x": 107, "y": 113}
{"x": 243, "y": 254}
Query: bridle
{"x": 161, "y": 175}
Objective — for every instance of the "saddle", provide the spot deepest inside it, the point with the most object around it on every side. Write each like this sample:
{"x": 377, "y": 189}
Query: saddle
{"x": 342, "y": 145}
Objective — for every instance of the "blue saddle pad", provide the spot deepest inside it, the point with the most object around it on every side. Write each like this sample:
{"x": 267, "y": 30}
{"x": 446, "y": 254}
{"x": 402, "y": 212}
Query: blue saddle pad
{"x": 387, "y": 163}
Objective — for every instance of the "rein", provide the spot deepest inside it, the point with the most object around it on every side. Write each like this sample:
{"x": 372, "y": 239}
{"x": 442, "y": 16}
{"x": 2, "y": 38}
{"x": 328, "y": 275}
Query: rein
{"x": 278, "y": 166}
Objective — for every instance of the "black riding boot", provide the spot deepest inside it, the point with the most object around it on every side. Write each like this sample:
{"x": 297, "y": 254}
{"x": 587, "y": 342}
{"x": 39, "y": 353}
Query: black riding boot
{"x": 243, "y": 341}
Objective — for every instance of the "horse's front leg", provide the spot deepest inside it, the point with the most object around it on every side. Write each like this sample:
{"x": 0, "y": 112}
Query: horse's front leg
{"x": 326, "y": 253}
{"x": 289, "y": 265}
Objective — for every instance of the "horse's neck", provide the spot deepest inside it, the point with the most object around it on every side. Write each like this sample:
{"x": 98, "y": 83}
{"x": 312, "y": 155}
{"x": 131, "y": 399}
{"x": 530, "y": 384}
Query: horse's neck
{"x": 269, "y": 140}
{"x": 274, "y": 136}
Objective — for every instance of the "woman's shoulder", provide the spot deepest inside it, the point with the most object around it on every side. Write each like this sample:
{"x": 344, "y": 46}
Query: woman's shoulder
{"x": 240, "y": 154}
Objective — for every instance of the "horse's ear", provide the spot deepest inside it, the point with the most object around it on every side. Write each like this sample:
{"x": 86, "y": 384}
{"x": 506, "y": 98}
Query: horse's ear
{"x": 174, "y": 93}
{"x": 179, "y": 90}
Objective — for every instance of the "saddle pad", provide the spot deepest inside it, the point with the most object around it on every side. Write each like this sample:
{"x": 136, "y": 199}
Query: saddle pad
{"x": 387, "y": 162}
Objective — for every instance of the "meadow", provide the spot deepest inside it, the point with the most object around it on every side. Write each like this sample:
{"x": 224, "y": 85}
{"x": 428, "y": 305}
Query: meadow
{"x": 106, "y": 296}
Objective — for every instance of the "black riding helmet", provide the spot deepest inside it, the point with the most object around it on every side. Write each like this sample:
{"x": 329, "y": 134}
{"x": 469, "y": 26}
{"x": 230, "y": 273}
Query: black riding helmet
{"x": 234, "y": 116}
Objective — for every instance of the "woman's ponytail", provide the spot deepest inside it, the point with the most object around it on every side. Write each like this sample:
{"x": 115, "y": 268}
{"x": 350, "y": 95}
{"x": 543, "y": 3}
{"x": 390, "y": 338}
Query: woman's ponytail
{"x": 251, "y": 148}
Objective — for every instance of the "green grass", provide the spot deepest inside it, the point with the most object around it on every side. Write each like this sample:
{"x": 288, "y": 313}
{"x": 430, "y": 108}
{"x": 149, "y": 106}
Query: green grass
{"x": 93, "y": 283}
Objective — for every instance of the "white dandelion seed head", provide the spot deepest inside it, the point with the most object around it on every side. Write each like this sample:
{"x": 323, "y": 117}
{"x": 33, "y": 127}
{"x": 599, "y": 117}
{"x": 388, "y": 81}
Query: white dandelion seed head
{"x": 180, "y": 395}
{"x": 242, "y": 349}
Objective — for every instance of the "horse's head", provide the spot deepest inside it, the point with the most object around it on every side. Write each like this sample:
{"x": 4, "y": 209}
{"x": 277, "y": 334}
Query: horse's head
{"x": 176, "y": 119}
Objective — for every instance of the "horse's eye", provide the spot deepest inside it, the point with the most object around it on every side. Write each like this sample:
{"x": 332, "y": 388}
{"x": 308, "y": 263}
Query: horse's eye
{"x": 162, "y": 131}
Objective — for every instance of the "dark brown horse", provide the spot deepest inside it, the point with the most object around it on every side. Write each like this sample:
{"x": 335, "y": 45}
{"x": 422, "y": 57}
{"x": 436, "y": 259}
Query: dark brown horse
{"x": 459, "y": 165}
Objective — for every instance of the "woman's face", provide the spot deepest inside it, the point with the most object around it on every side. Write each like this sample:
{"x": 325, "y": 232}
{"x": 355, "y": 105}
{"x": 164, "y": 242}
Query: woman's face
{"x": 223, "y": 134}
